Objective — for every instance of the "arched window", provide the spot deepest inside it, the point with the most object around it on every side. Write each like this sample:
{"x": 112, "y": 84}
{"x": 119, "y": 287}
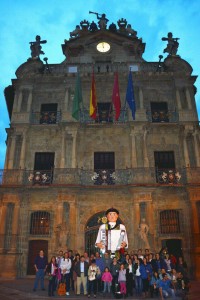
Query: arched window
{"x": 169, "y": 222}
{"x": 40, "y": 223}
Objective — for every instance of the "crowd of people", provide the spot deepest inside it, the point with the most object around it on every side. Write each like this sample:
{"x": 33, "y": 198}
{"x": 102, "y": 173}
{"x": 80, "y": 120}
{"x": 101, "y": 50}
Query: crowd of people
{"x": 133, "y": 274}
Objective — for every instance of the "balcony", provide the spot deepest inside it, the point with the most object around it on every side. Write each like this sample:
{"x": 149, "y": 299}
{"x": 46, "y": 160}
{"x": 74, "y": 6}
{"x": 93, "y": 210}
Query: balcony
{"x": 46, "y": 117}
{"x": 162, "y": 116}
{"x": 103, "y": 116}
{"x": 80, "y": 177}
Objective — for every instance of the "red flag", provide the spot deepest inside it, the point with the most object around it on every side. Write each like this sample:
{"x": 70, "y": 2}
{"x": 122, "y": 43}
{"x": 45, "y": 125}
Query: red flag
{"x": 116, "y": 97}
{"x": 93, "y": 99}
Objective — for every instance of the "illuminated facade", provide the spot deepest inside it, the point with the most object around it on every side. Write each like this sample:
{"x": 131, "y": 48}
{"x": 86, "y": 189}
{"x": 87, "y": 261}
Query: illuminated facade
{"x": 61, "y": 174}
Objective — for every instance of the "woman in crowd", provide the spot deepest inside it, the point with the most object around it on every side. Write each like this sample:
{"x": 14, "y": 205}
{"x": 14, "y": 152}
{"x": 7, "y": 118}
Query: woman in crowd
{"x": 129, "y": 278}
{"x": 138, "y": 278}
{"x": 77, "y": 258}
{"x": 146, "y": 272}
{"x": 65, "y": 266}
{"x": 52, "y": 271}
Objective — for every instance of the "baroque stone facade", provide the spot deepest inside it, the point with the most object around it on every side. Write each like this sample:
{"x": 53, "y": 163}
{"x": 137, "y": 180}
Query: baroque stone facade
{"x": 62, "y": 174}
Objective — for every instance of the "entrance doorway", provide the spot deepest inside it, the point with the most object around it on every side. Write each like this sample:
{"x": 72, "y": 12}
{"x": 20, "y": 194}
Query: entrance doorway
{"x": 174, "y": 246}
{"x": 34, "y": 247}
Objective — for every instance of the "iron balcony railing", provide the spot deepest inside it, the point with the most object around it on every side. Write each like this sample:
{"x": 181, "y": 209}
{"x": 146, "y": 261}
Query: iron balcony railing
{"x": 46, "y": 117}
{"x": 162, "y": 116}
{"x": 103, "y": 116}
{"x": 135, "y": 176}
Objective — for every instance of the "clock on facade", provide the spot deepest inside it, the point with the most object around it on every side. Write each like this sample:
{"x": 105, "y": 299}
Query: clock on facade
{"x": 103, "y": 47}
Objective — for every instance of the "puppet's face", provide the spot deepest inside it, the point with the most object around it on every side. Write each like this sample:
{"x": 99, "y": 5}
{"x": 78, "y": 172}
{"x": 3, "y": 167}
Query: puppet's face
{"x": 112, "y": 217}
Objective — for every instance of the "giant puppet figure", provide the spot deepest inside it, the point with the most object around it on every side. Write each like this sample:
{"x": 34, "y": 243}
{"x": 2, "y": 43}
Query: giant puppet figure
{"x": 112, "y": 236}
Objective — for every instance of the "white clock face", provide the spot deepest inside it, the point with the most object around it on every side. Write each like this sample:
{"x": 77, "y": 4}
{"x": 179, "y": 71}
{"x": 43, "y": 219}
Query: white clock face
{"x": 103, "y": 47}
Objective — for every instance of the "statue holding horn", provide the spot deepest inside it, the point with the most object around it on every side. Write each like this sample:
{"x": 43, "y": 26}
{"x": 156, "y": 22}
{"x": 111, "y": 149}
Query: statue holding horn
{"x": 102, "y": 19}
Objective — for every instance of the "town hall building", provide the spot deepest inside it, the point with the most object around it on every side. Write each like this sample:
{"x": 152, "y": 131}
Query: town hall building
{"x": 103, "y": 128}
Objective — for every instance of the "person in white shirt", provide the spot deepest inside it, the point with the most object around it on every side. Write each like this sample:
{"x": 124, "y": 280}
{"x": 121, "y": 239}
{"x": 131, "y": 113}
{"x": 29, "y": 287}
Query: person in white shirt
{"x": 65, "y": 267}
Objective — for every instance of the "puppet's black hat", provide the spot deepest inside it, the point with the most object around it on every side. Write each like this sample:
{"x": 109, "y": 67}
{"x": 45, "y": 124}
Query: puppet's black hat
{"x": 112, "y": 209}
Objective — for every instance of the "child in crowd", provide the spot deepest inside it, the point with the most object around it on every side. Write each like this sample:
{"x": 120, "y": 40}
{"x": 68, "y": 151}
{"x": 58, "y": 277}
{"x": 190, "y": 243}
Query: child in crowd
{"x": 122, "y": 279}
{"x": 107, "y": 280}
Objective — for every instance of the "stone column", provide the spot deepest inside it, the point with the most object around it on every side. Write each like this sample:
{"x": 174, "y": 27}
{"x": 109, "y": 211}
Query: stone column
{"x": 23, "y": 152}
{"x": 137, "y": 222}
{"x": 74, "y": 134}
{"x": 3, "y": 211}
{"x": 15, "y": 227}
{"x": 30, "y": 97}
{"x": 19, "y": 101}
{"x": 11, "y": 152}
{"x": 146, "y": 160}
{"x": 185, "y": 150}
{"x": 149, "y": 215}
{"x": 62, "y": 160}
{"x": 141, "y": 98}
{"x": 59, "y": 213}
{"x": 66, "y": 100}
{"x": 72, "y": 222}
{"x": 196, "y": 149}
{"x": 15, "y": 102}
{"x": 178, "y": 99}
{"x": 187, "y": 92}
{"x": 133, "y": 151}
{"x": 195, "y": 219}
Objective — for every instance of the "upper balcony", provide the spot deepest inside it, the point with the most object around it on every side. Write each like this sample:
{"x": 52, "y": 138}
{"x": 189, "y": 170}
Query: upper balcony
{"x": 46, "y": 117}
{"x": 80, "y": 177}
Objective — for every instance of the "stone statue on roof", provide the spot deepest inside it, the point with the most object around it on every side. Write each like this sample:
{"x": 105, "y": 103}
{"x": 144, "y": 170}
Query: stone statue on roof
{"x": 102, "y": 19}
{"x": 130, "y": 31}
{"x": 36, "y": 48}
{"x": 75, "y": 33}
{"x": 172, "y": 45}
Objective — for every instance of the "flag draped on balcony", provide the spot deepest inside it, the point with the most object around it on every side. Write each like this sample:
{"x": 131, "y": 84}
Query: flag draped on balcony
{"x": 116, "y": 97}
{"x": 130, "y": 96}
{"x": 93, "y": 99}
{"x": 77, "y": 99}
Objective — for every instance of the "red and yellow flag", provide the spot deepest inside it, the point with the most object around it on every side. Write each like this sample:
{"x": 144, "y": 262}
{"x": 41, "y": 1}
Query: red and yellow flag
{"x": 93, "y": 99}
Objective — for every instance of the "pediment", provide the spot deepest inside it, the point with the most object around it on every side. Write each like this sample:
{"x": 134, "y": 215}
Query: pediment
{"x": 78, "y": 45}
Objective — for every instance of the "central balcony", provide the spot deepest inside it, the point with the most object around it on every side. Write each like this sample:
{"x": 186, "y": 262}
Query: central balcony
{"x": 81, "y": 177}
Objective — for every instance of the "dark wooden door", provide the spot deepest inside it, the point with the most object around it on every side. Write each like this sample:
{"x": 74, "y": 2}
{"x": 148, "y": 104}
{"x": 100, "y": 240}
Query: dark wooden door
{"x": 34, "y": 248}
{"x": 174, "y": 246}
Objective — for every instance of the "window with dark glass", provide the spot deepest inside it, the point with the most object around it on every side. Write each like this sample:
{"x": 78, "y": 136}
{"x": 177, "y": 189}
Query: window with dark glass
{"x": 159, "y": 112}
{"x": 169, "y": 222}
{"x": 44, "y": 160}
{"x": 48, "y": 113}
{"x": 104, "y": 112}
{"x": 40, "y": 223}
{"x": 104, "y": 161}
{"x": 164, "y": 160}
